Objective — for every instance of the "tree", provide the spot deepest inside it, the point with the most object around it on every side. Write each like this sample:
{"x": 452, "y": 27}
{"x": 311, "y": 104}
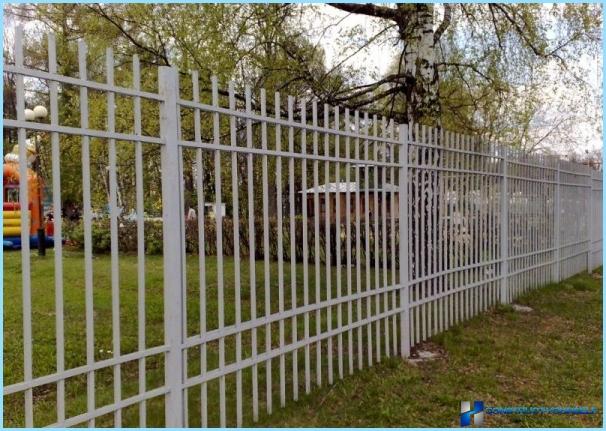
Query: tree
{"x": 478, "y": 58}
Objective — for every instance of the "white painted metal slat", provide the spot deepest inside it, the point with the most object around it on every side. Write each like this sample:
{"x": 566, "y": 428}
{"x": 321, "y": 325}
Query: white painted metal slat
{"x": 338, "y": 245}
{"x": 87, "y": 228}
{"x": 348, "y": 262}
{"x": 113, "y": 218}
{"x": 251, "y": 253}
{"x": 237, "y": 275}
{"x": 25, "y": 221}
{"x": 281, "y": 287}
{"x": 305, "y": 248}
{"x": 266, "y": 271}
{"x": 292, "y": 239}
{"x": 141, "y": 343}
{"x": 201, "y": 250}
{"x": 318, "y": 280}
{"x": 220, "y": 267}
{"x": 328, "y": 257}
{"x": 56, "y": 167}
{"x": 358, "y": 242}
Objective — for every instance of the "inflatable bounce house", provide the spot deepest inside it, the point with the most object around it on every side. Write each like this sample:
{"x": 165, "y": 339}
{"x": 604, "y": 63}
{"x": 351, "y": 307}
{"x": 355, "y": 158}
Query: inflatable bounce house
{"x": 11, "y": 223}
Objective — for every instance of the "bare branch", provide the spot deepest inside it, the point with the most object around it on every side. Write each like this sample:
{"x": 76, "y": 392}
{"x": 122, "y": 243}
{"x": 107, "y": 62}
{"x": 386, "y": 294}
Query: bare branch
{"x": 444, "y": 24}
{"x": 368, "y": 9}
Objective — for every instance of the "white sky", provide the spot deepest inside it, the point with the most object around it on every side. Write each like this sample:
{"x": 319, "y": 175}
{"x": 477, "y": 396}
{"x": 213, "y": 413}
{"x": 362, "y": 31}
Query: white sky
{"x": 380, "y": 57}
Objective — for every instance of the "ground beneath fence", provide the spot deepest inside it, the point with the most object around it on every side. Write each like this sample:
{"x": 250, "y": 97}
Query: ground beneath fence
{"x": 550, "y": 357}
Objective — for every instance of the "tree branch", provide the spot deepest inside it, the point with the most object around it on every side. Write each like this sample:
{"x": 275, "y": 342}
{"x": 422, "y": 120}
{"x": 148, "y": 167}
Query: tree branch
{"x": 368, "y": 9}
{"x": 444, "y": 24}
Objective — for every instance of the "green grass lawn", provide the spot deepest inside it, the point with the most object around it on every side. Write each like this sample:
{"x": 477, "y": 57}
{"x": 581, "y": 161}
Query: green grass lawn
{"x": 551, "y": 357}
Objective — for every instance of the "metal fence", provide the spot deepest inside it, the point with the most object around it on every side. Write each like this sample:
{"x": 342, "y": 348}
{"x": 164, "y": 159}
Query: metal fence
{"x": 385, "y": 235}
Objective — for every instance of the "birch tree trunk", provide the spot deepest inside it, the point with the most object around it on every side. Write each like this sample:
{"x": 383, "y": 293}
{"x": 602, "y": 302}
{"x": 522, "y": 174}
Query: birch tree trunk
{"x": 417, "y": 78}
{"x": 422, "y": 95}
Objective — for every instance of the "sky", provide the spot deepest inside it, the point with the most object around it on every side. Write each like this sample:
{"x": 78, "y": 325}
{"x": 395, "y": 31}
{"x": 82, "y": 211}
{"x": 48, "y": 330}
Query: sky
{"x": 585, "y": 134}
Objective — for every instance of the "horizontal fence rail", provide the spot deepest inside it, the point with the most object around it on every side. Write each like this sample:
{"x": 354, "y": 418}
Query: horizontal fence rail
{"x": 298, "y": 243}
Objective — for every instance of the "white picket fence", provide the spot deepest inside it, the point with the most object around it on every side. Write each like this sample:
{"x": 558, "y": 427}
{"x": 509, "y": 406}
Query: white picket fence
{"x": 474, "y": 224}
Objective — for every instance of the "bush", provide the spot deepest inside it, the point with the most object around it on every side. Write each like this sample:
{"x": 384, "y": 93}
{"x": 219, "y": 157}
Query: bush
{"x": 127, "y": 238}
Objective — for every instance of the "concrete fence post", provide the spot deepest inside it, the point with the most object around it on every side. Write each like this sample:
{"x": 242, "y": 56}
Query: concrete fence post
{"x": 172, "y": 248}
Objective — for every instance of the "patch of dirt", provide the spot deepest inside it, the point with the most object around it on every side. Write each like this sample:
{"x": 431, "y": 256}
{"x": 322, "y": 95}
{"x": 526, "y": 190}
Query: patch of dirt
{"x": 426, "y": 351}
{"x": 521, "y": 308}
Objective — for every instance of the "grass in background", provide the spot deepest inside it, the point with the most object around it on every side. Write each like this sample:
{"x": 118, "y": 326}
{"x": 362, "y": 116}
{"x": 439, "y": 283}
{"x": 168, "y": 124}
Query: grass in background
{"x": 550, "y": 357}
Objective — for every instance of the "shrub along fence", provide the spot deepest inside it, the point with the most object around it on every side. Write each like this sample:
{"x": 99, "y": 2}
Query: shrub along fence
{"x": 448, "y": 226}
{"x": 128, "y": 240}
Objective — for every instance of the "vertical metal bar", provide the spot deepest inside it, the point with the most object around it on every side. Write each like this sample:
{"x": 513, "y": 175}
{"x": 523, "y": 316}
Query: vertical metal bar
{"x": 266, "y": 271}
{"x": 305, "y": 247}
{"x": 113, "y": 214}
{"x": 384, "y": 232}
{"x": 293, "y": 263}
{"x": 236, "y": 226}
{"x": 201, "y": 250}
{"x": 338, "y": 244}
{"x": 56, "y": 168}
{"x": 421, "y": 229}
{"x": 328, "y": 243}
{"x": 375, "y": 211}
{"x": 87, "y": 222}
{"x": 431, "y": 238}
{"x": 251, "y": 257}
{"x": 25, "y": 221}
{"x": 348, "y": 242}
{"x": 172, "y": 245}
{"x": 440, "y": 227}
{"x": 504, "y": 237}
{"x": 392, "y": 234}
{"x": 280, "y": 252}
{"x": 184, "y": 282}
{"x": 367, "y": 243}
{"x": 588, "y": 206}
{"x": 468, "y": 218}
{"x": 219, "y": 232}
{"x": 445, "y": 229}
{"x": 358, "y": 250}
{"x": 432, "y": 226}
{"x": 458, "y": 249}
{"x": 318, "y": 297}
{"x": 403, "y": 245}
{"x": 415, "y": 190}
{"x": 140, "y": 240}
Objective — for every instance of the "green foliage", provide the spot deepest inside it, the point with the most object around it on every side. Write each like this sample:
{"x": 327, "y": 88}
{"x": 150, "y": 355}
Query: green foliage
{"x": 153, "y": 240}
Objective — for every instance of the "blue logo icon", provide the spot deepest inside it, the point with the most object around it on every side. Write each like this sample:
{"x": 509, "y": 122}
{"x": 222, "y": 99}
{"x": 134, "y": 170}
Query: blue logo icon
{"x": 471, "y": 416}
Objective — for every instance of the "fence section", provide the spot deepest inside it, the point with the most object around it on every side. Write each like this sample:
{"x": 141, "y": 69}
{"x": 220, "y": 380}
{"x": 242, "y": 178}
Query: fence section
{"x": 326, "y": 240}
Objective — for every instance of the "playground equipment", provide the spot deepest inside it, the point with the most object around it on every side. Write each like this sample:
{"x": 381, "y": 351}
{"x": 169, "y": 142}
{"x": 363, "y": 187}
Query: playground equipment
{"x": 11, "y": 208}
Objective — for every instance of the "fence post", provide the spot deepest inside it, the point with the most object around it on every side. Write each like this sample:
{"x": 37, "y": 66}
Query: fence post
{"x": 589, "y": 218}
{"x": 504, "y": 237}
{"x": 168, "y": 85}
{"x": 556, "y": 228}
{"x": 403, "y": 252}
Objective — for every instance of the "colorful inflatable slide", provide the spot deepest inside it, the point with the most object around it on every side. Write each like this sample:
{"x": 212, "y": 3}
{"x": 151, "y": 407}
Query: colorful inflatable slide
{"x": 11, "y": 208}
